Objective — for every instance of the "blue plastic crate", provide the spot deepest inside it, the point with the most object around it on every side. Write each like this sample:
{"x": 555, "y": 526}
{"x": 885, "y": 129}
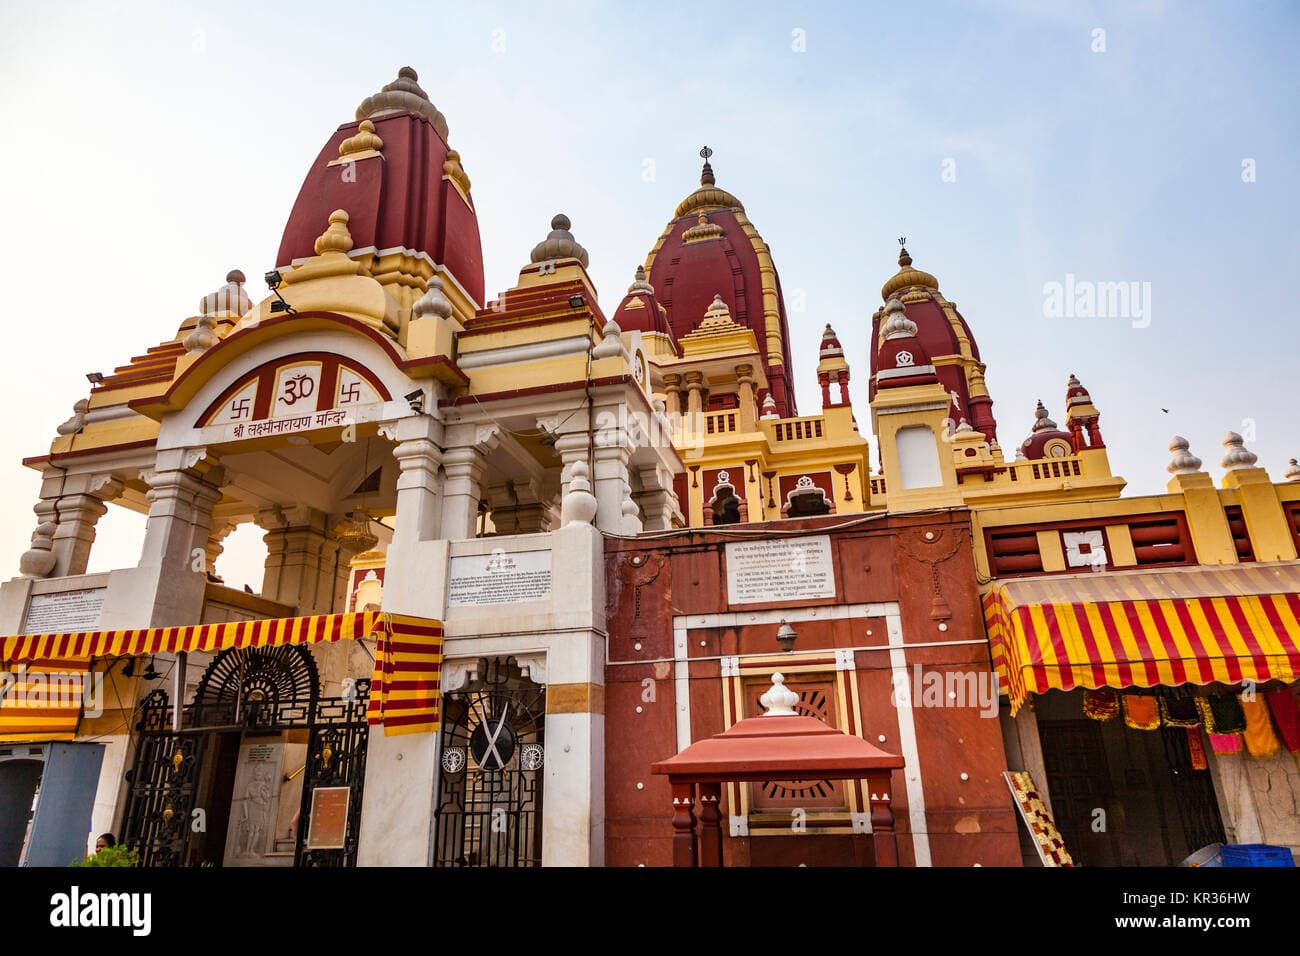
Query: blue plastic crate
{"x": 1256, "y": 854}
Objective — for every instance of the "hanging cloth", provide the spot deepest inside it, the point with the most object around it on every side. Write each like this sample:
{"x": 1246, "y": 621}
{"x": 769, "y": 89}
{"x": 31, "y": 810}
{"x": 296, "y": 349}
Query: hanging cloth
{"x": 1100, "y": 704}
{"x": 1178, "y": 708}
{"x": 1222, "y": 713}
{"x": 1141, "y": 712}
{"x": 1286, "y": 714}
{"x": 1261, "y": 738}
{"x": 1196, "y": 749}
{"x": 1225, "y": 743}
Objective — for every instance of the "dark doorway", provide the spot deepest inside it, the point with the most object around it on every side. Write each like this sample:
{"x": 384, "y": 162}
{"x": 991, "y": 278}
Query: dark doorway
{"x": 209, "y": 846}
{"x": 18, "y": 782}
{"x": 1125, "y": 797}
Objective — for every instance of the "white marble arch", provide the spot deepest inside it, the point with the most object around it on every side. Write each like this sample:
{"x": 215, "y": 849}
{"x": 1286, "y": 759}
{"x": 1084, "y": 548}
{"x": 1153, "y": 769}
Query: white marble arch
{"x": 178, "y": 427}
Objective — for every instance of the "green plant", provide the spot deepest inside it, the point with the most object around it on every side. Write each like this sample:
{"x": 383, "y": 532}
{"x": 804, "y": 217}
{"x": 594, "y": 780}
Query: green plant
{"x": 111, "y": 856}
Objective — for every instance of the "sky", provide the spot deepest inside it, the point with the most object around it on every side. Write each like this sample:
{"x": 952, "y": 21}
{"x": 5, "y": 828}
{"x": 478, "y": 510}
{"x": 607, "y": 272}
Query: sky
{"x": 150, "y": 148}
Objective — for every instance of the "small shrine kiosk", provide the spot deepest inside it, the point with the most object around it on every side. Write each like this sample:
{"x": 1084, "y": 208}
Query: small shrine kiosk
{"x": 778, "y": 745}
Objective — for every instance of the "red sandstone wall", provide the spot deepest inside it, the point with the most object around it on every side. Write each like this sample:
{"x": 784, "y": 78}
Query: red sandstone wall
{"x": 886, "y": 560}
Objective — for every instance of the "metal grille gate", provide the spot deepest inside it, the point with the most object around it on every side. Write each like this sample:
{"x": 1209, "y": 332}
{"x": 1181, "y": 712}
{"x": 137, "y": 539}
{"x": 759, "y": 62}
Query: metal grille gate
{"x": 262, "y": 689}
{"x": 490, "y": 788}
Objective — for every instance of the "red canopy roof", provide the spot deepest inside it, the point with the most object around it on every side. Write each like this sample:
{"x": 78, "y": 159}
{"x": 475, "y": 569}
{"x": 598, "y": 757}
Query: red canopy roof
{"x": 778, "y": 747}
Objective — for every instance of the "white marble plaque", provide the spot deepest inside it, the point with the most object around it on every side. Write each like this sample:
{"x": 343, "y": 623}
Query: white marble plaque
{"x": 499, "y": 578}
{"x": 64, "y": 611}
{"x": 786, "y": 569}
{"x": 255, "y": 803}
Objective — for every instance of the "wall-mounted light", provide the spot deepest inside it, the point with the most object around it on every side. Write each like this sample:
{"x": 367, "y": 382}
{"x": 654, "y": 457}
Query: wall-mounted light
{"x": 94, "y": 378}
{"x": 416, "y": 401}
{"x": 577, "y": 301}
{"x": 786, "y": 636}
{"x": 273, "y": 282}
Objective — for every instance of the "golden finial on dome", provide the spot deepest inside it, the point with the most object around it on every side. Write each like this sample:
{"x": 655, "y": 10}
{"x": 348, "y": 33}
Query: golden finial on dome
{"x": 365, "y": 140}
{"x": 706, "y": 174}
{"x": 708, "y": 196}
{"x": 336, "y": 238}
{"x": 907, "y": 277}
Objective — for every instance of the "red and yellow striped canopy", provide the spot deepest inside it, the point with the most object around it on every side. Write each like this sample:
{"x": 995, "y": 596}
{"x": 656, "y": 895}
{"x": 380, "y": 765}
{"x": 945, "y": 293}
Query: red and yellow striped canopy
{"x": 403, "y": 694}
{"x": 1200, "y": 625}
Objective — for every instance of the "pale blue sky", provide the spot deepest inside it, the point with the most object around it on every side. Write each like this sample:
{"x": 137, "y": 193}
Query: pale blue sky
{"x": 150, "y": 149}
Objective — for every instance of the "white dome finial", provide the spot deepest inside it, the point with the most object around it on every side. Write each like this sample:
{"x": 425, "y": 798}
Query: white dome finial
{"x": 897, "y": 324}
{"x": 1237, "y": 455}
{"x": 1182, "y": 461}
{"x": 779, "y": 700}
{"x": 1293, "y": 471}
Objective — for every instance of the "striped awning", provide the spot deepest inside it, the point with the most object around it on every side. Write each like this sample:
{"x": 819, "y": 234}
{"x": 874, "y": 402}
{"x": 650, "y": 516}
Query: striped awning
{"x": 403, "y": 695}
{"x": 1200, "y": 625}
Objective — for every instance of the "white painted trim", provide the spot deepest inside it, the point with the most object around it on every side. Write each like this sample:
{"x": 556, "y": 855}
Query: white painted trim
{"x": 907, "y": 742}
{"x": 111, "y": 413}
{"x": 682, "y": 685}
{"x": 914, "y": 407}
{"x": 836, "y": 612}
{"x": 905, "y": 371}
{"x": 513, "y": 354}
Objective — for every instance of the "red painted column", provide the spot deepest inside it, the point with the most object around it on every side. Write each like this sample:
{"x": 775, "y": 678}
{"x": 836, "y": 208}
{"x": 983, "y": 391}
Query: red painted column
{"x": 710, "y": 824}
{"x": 882, "y": 821}
{"x": 683, "y": 824}
{"x": 1094, "y": 434}
{"x": 825, "y": 381}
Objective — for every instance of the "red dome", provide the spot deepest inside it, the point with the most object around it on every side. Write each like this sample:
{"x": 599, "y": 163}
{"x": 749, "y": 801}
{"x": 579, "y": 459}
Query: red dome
{"x": 941, "y": 336}
{"x": 1076, "y": 394}
{"x": 1046, "y": 439}
{"x": 401, "y": 201}
{"x": 710, "y": 248}
{"x": 640, "y": 310}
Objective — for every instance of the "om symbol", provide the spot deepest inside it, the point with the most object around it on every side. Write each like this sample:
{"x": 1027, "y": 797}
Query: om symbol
{"x": 300, "y": 386}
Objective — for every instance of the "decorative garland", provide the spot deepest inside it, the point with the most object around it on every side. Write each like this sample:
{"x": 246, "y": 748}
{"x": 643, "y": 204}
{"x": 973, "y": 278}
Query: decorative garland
{"x": 1221, "y": 713}
{"x": 1047, "y": 839}
{"x": 1141, "y": 712}
{"x": 1100, "y": 704}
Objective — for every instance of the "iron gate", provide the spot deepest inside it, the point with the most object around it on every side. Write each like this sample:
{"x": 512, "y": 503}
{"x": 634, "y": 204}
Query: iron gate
{"x": 490, "y": 788}
{"x": 262, "y": 689}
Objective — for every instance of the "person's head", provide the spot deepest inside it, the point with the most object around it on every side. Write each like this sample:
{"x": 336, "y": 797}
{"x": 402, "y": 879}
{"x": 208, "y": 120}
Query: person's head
{"x": 104, "y": 841}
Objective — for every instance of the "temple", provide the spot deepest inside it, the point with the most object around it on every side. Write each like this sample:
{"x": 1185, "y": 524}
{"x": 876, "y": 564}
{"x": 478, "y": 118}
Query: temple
{"x": 557, "y": 579}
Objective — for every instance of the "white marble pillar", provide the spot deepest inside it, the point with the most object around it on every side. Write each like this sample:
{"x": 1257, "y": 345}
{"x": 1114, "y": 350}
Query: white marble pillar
{"x": 610, "y": 473}
{"x": 462, "y": 490}
{"x": 657, "y": 499}
{"x": 419, "y": 487}
{"x": 167, "y": 588}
